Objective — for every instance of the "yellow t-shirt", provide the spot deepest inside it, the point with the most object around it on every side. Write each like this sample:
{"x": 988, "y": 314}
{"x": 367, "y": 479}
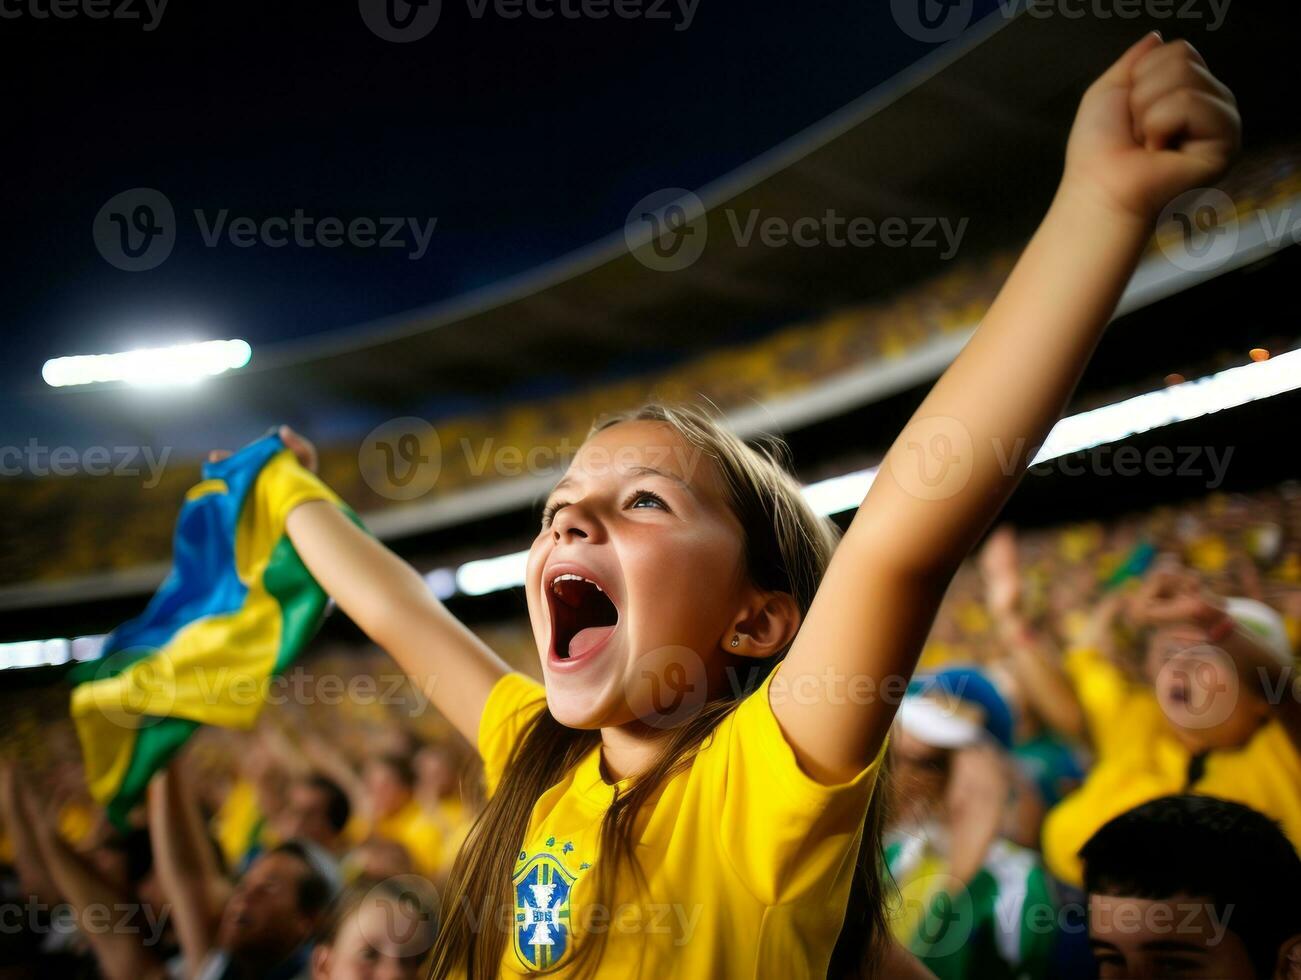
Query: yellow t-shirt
{"x": 236, "y": 823}
{"x": 422, "y": 836}
{"x": 747, "y": 859}
{"x": 1139, "y": 758}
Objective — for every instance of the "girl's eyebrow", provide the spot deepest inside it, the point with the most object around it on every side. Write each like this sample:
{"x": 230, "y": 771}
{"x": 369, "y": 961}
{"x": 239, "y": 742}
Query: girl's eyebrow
{"x": 652, "y": 471}
{"x": 568, "y": 481}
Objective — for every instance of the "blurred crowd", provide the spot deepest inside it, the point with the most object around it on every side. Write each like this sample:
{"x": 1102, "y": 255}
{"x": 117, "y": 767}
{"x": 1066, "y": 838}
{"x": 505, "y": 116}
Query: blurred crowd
{"x": 1084, "y": 724}
{"x": 1090, "y": 774}
{"x": 313, "y": 846}
{"x": 80, "y": 524}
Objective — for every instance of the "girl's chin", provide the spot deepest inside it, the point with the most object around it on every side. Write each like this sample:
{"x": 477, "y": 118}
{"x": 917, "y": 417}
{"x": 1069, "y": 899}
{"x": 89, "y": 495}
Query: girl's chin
{"x": 576, "y": 706}
{"x": 578, "y": 717}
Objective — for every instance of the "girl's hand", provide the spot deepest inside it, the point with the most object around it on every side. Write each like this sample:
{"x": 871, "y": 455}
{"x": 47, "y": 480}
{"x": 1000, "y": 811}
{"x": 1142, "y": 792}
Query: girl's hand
{"x": 1156, "y": 124}
{"x": 301, "y": 447}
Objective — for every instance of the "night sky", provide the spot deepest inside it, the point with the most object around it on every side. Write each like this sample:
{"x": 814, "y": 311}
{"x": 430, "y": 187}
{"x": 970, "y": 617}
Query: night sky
{"x": 525, "y": 138}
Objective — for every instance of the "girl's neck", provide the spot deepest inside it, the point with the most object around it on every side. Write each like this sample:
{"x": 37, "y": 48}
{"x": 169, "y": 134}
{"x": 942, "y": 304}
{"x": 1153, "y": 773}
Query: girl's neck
{"x": 627, "y": 750}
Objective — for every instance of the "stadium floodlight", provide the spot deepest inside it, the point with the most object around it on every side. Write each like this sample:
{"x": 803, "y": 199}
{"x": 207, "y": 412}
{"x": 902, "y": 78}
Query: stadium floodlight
{"x": 150, "y": 366}
{"x": 1151, "y": 410}
{"x": 1177, "y": 403}
{"x": 1087, "y": 430}
{"x": 486, "y": 575}
{"x": 42, "y": 653}
{"x": 441, "y": 582}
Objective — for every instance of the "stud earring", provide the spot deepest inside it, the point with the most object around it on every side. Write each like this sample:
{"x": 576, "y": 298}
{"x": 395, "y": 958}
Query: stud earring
{"x": 736, "y": 640}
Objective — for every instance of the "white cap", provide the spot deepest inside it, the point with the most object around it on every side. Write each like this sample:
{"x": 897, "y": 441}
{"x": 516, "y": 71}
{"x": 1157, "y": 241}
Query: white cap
{"x": 1262, "y": 622}
{"x": 938, "y": 724}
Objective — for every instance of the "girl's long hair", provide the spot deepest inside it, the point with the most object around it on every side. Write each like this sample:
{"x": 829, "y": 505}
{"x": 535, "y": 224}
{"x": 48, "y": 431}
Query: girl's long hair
{"x": 787, "y": 549}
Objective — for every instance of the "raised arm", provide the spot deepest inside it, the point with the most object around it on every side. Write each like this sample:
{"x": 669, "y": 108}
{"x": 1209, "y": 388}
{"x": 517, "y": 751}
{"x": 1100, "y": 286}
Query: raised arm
{"x": 1173, "y": 596}
{"x": 1037, "y": 668}
{"x": 1155, "y": 124}
{"x": 121, "y": 954}
{"x": 330, "y": 762}
{"x": 33, "y": 876}
{"x": 391, "y": 603}
{"x": 185, "y": 866}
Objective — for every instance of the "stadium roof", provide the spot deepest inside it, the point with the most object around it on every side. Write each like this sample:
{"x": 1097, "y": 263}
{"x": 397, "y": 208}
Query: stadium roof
{"x": 1002, "y": 96}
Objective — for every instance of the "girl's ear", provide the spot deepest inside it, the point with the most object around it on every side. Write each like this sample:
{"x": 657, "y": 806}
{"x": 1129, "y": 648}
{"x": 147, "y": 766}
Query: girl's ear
{"x": 1289, "y": 959}
{"x": 320, "y": 962}
{"x": 766, "y": 626}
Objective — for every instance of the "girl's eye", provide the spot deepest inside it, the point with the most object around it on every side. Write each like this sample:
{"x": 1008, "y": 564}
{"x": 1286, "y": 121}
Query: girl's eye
{"x": 639, "y": 496}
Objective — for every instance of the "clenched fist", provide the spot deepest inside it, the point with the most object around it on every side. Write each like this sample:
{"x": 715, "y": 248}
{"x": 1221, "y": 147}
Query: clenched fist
{"x": 1156, "y": 124}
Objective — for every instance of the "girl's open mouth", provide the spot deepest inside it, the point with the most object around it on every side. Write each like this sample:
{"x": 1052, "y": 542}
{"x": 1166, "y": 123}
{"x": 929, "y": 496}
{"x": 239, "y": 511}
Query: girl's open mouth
{"x": 583, "y": 617}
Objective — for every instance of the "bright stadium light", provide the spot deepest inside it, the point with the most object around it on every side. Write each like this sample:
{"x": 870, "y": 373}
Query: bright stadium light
{"x": 1152, "y": 410}
{"x": 43, "y": 653}
{"x": 1142, "y": 413}
{"x": 486, "y": 575}
{"x": 151, "y": 366}
{"x": 1177, "y": 403}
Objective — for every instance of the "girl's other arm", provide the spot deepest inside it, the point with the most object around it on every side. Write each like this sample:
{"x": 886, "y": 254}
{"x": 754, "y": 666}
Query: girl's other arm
{"x": 1155, "y": 124}
{"x": 392, "y": 605}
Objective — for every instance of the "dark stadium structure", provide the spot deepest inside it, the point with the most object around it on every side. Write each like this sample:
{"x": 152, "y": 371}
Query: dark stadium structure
{"x": 1003, "y": 94}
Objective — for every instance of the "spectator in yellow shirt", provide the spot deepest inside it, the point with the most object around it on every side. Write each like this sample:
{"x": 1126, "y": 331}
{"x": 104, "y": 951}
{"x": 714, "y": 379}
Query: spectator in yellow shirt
{"x": 397, "y": 815}
{"x": 1213, "y": 716}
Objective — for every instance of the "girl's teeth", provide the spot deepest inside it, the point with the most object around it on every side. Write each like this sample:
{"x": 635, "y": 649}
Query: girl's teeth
{"x": 570, "y": 576}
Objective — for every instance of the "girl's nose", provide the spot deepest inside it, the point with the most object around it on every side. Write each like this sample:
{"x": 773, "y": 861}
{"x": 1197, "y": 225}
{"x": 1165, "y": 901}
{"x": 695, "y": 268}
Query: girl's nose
{"x": 574, "y": 523}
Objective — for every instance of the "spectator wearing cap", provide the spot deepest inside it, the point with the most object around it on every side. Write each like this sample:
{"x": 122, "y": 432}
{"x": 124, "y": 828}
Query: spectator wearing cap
{"x": 974, "y": 904}
{"x": 1213, "y": 713}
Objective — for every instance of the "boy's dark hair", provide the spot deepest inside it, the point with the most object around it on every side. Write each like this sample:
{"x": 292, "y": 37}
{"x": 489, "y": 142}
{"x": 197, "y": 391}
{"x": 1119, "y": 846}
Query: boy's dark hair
{"x": 315, "y": 889}
{"x": 337, "y": 808}
{"x": 1235, "y": 858}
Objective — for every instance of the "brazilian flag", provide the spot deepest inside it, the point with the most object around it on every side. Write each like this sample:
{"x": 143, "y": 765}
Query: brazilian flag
{"x": 237, "y": 607}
